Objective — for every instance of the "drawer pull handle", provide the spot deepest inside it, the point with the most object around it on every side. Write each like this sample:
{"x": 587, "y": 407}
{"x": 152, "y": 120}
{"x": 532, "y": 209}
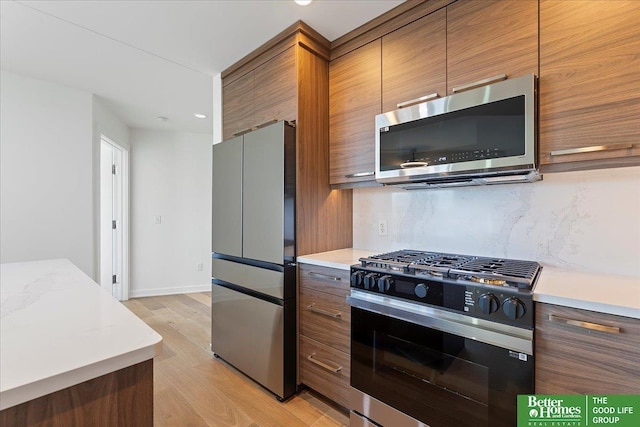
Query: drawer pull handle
{"x": 261, "y": 125}
{"x": 359, "y": 174}
{"x": 324, "y": 276}
{"x": 479, "y": 83}
{"x": 590, "y": 149}
{"x": 418, "y": 100}
{"x": 335, "y": 369}
{"x": 335, "y": 315}
{"x": 584, "y": 325}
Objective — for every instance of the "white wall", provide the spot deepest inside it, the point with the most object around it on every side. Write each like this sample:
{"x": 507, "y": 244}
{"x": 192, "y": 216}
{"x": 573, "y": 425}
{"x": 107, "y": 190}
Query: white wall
{"x": 170, "y": 178}
{"x": 587, "y": 221}
{"x": 46, "y": 172}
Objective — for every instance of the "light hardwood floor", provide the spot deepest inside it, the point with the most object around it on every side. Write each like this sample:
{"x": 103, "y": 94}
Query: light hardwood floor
{"x": 192, "y": 388}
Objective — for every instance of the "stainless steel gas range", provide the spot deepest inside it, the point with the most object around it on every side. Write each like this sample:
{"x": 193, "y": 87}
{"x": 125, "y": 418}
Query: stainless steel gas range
{"x": 440, "y": 340}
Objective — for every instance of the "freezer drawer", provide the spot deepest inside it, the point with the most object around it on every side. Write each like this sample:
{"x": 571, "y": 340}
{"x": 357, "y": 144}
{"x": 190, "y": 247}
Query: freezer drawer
{"x": 256, "y": 337}
{"x": 279, "y": 284}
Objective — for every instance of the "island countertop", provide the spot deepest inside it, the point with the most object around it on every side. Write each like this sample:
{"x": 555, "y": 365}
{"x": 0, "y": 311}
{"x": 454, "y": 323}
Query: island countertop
{"x": 58, "y": 328}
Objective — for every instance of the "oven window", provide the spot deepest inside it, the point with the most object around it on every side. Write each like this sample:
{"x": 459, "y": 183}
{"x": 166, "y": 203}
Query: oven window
{"x": 438, "y": 378}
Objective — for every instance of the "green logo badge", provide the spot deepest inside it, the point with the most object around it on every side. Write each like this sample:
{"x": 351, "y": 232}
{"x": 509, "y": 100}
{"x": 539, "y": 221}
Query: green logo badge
{"x": 578, "y": 410}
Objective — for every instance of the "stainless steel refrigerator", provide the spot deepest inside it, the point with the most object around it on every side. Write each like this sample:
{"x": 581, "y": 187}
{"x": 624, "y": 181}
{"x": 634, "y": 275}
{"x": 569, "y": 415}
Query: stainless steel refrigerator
{"x": 253, "y": 310}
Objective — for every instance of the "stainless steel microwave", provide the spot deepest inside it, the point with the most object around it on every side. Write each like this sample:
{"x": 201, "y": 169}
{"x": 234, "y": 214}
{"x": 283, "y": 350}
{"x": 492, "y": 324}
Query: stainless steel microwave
{"x": 486, "y": 135}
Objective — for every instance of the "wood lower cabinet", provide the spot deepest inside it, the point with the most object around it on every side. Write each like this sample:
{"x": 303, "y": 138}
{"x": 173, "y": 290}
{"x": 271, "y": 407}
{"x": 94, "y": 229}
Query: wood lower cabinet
{"x": 486, "y": 38}
{"x": 414, "y": 61}
{"x": 354, "y": 100}
{"x": 585, "y": 352}
{"x": 325, "y": 331}
{"x": 589, "y": 81}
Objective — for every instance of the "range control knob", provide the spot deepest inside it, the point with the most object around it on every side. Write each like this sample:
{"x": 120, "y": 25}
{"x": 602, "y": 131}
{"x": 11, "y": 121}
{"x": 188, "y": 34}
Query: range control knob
{"x": 513, "y": 308}
{"x": 488, "y": 303}
{"x": 356, "y": 279}
{"x": 370, "y": 281}
{"x": 421, "y": 290}
{"x": 384, "y": 283}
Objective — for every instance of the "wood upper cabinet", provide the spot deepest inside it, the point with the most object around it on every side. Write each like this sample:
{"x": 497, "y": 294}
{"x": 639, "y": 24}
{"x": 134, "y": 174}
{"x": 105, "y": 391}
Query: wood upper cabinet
{"x": 486, "y": 38}
{"x": 267, "y": 93}
{"x": 414, "y": 61}
{"x": 238, "y": 107}
{"x": 354, "y": 100}
{"x": 589, "y": 80}
{"x": 275, "y": 89}
{"x": 585, "y": 352}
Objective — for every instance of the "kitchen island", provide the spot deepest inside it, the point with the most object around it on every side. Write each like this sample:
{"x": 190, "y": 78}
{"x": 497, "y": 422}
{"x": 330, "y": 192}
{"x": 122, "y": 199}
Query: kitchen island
{"x": 71, "y": 354}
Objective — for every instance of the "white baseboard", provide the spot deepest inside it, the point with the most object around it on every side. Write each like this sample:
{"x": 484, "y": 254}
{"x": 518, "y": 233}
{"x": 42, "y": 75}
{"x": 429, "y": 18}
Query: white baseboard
{"x": 137, "y": 293}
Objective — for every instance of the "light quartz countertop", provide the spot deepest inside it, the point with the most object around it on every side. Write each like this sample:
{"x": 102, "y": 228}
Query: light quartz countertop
{"x": 618, "y": 295}
{"x": 342, "y": 259}
{"x": 59, "y": 328}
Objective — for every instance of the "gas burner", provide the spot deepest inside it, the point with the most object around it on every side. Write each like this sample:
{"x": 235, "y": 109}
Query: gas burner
{"x": 491, "y": 271}
{"x": 487, "y": 281}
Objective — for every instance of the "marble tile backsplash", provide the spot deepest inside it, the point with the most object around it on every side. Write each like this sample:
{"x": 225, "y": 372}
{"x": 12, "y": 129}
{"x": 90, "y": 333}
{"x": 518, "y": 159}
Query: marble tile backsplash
{"x": 587, "y": 221}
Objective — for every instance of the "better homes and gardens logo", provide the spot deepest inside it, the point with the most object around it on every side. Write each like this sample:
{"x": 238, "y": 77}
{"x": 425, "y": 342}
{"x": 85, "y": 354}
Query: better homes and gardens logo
{"x": 578, "y": 410}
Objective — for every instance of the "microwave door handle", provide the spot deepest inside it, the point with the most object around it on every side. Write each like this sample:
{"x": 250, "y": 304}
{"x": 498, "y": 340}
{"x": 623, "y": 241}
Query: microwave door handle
{"x": 479, "y": 83}
{"x": 407, "y": 165}
{"x": 418, "y": 100}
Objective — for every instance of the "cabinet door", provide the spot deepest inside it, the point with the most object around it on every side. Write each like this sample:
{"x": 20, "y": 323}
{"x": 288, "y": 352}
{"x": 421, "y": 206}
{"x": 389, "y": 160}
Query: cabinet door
{"x": 490, "y": 37}
{"x": 414, "y": 61}
{"x": 589, "y": 80}
{"x": 237, "y": 106}
{"x": 275, "y": 89}
{"x": 584, "y": 352}
{"x": 354, "y": 100}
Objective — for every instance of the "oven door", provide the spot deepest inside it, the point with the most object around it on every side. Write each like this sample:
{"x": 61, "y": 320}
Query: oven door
{"x": 434, "y": 375}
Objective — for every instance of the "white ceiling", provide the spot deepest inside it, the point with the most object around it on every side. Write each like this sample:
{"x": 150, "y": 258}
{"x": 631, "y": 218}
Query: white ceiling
{"x": 146, "y": 58}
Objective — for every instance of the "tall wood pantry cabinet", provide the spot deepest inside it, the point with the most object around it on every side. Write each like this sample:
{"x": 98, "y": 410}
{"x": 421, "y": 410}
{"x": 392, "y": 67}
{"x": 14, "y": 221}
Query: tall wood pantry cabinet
{"x": 288, "y": 79}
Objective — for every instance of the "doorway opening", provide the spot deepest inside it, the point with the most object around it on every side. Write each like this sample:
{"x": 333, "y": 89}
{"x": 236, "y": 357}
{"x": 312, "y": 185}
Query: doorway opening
{"x": 114, "y": 219}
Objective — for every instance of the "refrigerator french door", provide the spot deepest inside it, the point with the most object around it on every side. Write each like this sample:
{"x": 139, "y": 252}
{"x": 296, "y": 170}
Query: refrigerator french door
{"x": 253, "y": 241}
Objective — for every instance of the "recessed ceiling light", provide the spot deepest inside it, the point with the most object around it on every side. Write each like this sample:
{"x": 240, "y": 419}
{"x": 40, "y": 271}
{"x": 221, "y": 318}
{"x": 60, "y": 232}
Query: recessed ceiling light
{"x": 162, "y": 118}
{"x": 303, "y": 2}
{"x": 199, "y": 116}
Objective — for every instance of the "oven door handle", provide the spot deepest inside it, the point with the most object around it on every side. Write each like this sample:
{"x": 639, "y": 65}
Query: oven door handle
{"x": 497, "y": 334}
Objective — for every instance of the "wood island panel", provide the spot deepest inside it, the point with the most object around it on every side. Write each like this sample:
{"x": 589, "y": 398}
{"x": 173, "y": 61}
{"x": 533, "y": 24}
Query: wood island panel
{"x": 589, "y": 79}
{"x": 121, "y": 398}
{"x": 490, "y": 37}
{"x": 575, "y": 360}
{"x": 414, "y": 61}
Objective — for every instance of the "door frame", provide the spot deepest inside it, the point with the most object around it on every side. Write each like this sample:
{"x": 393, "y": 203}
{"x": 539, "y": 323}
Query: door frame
{"x": 123, "y": 248}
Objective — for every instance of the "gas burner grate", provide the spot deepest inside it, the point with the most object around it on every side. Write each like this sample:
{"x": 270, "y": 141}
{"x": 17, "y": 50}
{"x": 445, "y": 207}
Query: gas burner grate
{"x": 443, "y": 260}
{"x": 404, "y": 255}
{"x": 504, "y": 267}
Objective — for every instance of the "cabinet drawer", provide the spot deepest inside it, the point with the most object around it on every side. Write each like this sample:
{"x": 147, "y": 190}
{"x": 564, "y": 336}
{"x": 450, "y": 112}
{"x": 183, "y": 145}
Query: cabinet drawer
{"x": 325, "y": 318}
{"x": 325, "y": 279}
{"x": 325, "y": 370}
{"x": 584, "y": 352}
